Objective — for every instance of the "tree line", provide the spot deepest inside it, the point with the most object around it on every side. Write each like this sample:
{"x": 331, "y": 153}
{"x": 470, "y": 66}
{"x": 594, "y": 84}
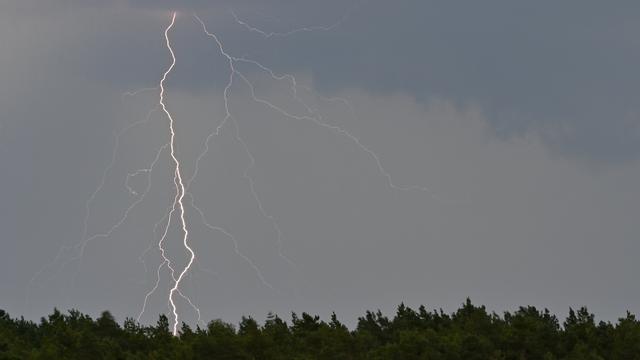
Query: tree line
{"x": 469, "y": 333}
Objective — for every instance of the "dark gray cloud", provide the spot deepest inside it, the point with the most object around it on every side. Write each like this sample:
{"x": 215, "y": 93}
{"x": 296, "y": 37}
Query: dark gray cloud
{"x": 566, "y": 71}
{"x": 539, "y": 66}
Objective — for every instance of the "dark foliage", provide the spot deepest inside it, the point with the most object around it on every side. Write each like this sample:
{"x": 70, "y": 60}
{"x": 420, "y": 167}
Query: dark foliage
{"x": 467, "y": 334}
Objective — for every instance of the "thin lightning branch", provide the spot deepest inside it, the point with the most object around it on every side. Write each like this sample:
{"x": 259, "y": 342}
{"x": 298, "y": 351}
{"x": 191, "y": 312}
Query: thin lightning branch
{"x": 136, "y": 92}
{"x": 165, "y": 260}
{"x": 195, "y": 308}
{"x": 317, "y": 119}
{"x": 234, "y": 71}
{"x": 108, "y": 169}
{"x": 274, "y": 76}
{"x": 252, "y": 188}
{"x": 205, "y": 151}
{"x": 342, "y": 100}
{"x": 132, "y": 175}
{"x": 117, "y": 136}
{"x": 155, "y": 287}
{"x": 155, "y": 228}
{"x": 363, "y": 147}
{"x": 227, "y": 88}
{"x": 233, "y": 239}
{"x": 51, "y": 264}
{"x": 91, "y": 199}
{"x": 125, "y": 215}
{"x": 271, "y": 34}
{"x": 148, "y": 170}
{"x": 206, "y": 270}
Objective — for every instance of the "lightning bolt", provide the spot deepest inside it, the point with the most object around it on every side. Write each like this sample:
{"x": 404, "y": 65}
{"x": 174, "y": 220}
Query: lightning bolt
{"x": 177, "y": 179}
{"x": 178, "y": 202}
{"x": 181, "y": 191}
{"x": 182, "y": 200}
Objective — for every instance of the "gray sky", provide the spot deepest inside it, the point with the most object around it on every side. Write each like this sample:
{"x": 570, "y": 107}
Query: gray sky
{"x": 520, "y": 118}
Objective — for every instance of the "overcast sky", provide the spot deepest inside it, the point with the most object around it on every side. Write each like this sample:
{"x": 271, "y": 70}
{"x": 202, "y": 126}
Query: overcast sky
{"x": 451, "y": 149}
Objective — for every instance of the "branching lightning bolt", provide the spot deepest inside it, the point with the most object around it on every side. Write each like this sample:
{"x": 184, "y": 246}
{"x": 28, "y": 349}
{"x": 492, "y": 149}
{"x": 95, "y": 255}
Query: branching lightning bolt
{"x": 179, "y": 206}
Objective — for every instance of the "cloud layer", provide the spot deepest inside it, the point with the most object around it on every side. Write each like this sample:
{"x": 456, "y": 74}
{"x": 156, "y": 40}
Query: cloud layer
{"x": 475, "y": 102}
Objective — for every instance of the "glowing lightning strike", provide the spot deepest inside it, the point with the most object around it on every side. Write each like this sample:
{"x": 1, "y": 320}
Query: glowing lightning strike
{"x": 177, "y": 179}
{"x": 182, "y": 185}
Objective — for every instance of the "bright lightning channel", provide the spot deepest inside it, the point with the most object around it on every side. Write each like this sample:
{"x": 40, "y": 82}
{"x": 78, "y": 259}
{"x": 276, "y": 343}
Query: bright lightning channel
{"x": 177, "y": 179}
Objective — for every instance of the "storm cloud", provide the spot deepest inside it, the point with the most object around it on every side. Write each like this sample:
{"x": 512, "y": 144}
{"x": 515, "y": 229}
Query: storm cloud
{"x": 520, "y": 118}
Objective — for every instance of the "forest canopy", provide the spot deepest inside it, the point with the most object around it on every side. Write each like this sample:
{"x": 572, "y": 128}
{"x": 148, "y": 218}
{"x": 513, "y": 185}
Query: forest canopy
{"x": 466, "y": 334}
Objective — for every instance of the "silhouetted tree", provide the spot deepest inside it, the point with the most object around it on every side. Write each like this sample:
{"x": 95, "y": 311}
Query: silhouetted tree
{"x": 466, "y": 334}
